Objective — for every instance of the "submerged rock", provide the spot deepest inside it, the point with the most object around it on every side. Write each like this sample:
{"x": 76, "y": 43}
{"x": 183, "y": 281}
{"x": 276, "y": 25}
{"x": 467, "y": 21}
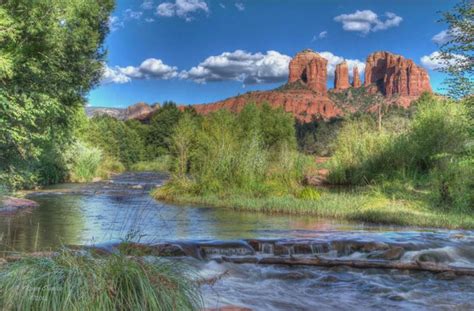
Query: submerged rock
{"x": 11, "y": 204}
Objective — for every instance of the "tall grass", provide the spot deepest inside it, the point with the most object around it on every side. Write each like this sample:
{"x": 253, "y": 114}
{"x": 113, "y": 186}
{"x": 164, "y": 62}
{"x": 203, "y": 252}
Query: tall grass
{"x": 85, "y": 161}
{"x": 433, "y": 146}
{"x": 70, "y": 281}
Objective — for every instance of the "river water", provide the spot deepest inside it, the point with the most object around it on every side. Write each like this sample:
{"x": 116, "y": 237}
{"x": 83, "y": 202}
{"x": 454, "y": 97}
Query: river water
{"x": 121, "y": 208}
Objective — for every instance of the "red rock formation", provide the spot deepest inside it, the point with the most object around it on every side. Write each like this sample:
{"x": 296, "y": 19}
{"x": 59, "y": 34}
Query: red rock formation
{"x": 140, "y": 111}
{"x": 393, "y": 74}
{"x": 306, "y": 96}
{"x": 355, "y": 77}
{"x": 304, "y": 104}
{"x": 341, "y": 77}
{"x": 309, "y": 68}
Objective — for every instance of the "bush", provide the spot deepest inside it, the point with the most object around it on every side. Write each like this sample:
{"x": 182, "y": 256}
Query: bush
{"x": 85, "y": 162}
{"x": 80, "y": 282}
{"x": 453, "y": 184}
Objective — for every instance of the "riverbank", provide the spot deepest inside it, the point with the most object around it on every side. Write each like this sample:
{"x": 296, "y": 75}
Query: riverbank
{"x": 364, "y": 204}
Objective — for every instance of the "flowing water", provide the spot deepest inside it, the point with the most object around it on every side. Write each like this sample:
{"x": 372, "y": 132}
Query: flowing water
{"x": 122, "y": 208}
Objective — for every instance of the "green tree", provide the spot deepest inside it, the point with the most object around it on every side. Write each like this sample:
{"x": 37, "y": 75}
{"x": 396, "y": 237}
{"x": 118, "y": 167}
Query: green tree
{"x": 457, "y": 53}
{"x": 161, "y": 128}
{"x": 51, "y": 55}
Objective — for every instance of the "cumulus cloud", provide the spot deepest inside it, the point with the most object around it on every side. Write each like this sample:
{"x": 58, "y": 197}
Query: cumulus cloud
{"x": 435, "y": 62}
{"x": 240, "y": 6}
{"x": 367, "y": 21}
{"x": 445, "y": 36}
{"x": 150, "y": 68}
{"x": 113, "y": 75}
{"x": 333, "y": 60}
{"x": 269, "y": 67}
{"x": 182, "y": 8}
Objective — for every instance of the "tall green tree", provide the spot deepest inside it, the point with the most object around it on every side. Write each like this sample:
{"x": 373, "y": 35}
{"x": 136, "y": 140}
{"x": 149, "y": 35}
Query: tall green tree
{"x": 161, "y": 128}
{"x": 457, "y": 53}
{"x": 51, "y": 55}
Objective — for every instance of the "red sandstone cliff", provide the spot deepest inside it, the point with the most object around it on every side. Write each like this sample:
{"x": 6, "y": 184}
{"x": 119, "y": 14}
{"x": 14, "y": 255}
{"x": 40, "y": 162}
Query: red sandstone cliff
{"x": 309, "y": 68}
{"x": 395, "y": 75}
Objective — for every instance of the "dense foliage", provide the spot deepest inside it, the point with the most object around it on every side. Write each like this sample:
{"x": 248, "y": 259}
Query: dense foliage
{"x": 435, "y": 144}
{"x": 51, "y": 55}
{"x": 253, "y": 152}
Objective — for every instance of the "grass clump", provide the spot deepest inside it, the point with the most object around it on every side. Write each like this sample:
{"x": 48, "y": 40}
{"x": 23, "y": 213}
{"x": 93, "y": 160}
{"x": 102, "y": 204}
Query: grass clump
{"x": 70, "y": 281}
{"x": 160, "y": 164}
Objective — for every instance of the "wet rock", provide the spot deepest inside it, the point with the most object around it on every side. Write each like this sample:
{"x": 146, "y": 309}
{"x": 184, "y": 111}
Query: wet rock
{"x": 374, "y": 246}
{"x": 396, "y": 297}
{"x": 329, "y": 279}
{"x": 136, "y": 187}
{"x": 446, "y": 276}
{"x": 11, "y": 204}
{"x": 2, "y": 261}
{"x": 394, "y": 253}
{"x": 434, "y": 257}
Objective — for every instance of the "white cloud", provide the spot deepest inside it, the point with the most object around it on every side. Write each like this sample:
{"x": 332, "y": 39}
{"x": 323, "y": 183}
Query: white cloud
{"x": 130, "y": 14}
{"x": 446, "y": 35}
{"x": 240, "y": 6}
{"x": 115, "y": 23}
{"x": 181, "y": 8}
{"x": 147, "y": 5}
{"x": 149, "y": 20}
{"x": 222, "y": 5}
{"x": 367, "y": 21}
{"x": 269, "y": 67}
{"x": 435, "y": 62}
{"x": 333, "y": 60}
{"x": 150, "y": 68}
{"x": 321, "y": 35}
{"x": 114, "y": 75}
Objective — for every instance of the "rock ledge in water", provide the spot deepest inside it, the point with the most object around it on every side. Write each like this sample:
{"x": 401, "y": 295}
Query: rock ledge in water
{"x": 11, "y": 204}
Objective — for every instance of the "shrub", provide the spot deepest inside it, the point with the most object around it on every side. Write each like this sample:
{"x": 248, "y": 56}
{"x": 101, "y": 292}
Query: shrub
{"x": 310, "y": 194}
{"x": 80, "y": 282}
{"x": 161, "y": 164}
{"x": 85, "y": 162}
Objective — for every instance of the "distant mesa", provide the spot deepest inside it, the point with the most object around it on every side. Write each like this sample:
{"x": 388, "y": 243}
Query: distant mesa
{"x": 390, "y": 78}
{"x": 140, "y": 111}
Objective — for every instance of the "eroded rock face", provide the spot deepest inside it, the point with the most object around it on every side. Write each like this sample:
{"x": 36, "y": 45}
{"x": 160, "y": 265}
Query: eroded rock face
{"x": 341, "y": 76}
{"x": 355, "y": 77}
{"x": 309, "y": 68}
{"x": 140, "y": 111}
{"x": 395, "y": 75}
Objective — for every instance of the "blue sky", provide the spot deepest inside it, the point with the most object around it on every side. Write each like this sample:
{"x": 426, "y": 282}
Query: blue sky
{"x": 198, "y": 51}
